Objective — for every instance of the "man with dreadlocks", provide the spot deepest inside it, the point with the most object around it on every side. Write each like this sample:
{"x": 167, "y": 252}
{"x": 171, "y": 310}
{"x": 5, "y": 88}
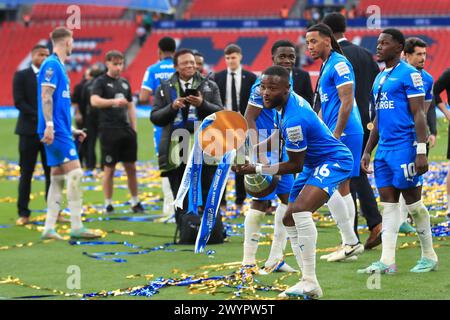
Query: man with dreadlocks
{"x": 338, "y": 109}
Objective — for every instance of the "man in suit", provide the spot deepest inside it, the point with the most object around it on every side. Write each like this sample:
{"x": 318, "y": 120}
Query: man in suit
{"x": 25, "y": 99}
{"x": 235, "y": 85}
{"x": 366, "y": 70}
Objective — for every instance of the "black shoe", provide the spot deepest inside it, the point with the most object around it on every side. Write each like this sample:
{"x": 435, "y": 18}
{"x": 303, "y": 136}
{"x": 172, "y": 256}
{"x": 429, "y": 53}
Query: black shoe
{"x": 138, "y": 208}
{"x": 109, "y": 209}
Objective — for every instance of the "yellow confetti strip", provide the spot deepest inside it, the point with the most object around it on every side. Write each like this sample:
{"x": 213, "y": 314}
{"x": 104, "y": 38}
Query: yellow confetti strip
{"x": 18, "y": 282}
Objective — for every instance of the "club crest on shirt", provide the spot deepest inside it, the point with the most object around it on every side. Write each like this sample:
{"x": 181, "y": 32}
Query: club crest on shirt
{"x": 295, "y": 134}
{"x": 48, "y": 74}
{"x": 342, "y": 68}
{"x": 417, "y": 79}
{"x": 125, "y": 86}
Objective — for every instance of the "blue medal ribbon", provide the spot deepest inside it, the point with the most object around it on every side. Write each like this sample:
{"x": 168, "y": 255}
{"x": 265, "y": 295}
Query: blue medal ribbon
{"x": 214, "y": 197}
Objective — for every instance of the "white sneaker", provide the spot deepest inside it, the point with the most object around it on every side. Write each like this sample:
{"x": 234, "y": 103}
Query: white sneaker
{"x": 303, "y": 289}
{"x": 326, "y": 256}
{"x": 277, "y": 266}
{"x": 346, "y": 252}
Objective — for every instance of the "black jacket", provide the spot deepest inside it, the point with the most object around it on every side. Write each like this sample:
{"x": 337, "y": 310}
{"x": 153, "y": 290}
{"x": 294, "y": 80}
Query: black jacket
{"x": 302, "y": 84}
{"x": 25, "y": 99}
{"x": 163, "y": 114}
{"x": 247, "y": 80}
{"x": 366, "y": 70}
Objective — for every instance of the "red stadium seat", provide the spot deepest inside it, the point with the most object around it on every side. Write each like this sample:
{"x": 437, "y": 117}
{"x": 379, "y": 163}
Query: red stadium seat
{"x": 237, "y": 8}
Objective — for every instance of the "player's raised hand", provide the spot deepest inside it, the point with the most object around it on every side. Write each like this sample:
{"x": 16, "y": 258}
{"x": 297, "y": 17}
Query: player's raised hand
{"x": 421, "y": 164}
{"x": 365, "y": 162}
{"x": 49, "y": 135}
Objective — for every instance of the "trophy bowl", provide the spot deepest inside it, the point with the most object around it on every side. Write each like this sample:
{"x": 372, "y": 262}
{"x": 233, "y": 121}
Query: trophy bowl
{"x": 259, "y": 185}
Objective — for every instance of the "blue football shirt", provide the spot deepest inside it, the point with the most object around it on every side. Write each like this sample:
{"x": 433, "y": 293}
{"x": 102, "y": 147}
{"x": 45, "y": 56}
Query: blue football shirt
{"x": 53, "y": 74}
{"x": 427, "y": 85}
{"x": 302, "y": 129}
{"x": 265, "y": 120}
{"x": 395, "y": 121}
{"x": 161, "y": 70}
{"x": 338, "y": 71}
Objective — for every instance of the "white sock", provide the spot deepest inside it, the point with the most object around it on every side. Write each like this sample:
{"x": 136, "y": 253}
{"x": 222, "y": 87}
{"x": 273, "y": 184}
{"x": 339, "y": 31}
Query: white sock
{"x": 108, "y": 202}
{"x": 348, "y": 199}
{"x": 403, "y": 210}
{"x": 389, "y": 234}
{"x": 168, "y": 197}
{"x": 252, "y": 226}
{"x": 74, "y": 197}
{"x": 54, "y": 201}
{"x": 279, "y": 236}
{"x": 339, "y": 211}
{"x": 293, "y": 238}
{"x": 134, "y": 201}
{"x": 307, "y": 238}
{"x": 422, "y": 219}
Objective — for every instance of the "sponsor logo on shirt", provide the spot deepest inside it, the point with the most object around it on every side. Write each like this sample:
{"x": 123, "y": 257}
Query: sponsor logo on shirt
{"x": 48, "y": 74}
{"x": 66, "y": 93}
{"x": 163, "y": 75}
{"x": 385, "y": 103}
{"x": 166, "y": 66}
{"x": 417, "y": 79}
{"x": 295, "y": 134}
{"x": 323, "y": 96}
{"x": 342, "y": 68}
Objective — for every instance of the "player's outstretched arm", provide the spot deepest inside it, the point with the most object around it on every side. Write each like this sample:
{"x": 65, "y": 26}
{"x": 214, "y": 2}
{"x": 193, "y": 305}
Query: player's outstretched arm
{"x": 47, "y": 110}
{"x": 346, "y": 96}
{"x": 293, "y": 165}
{"x": 416, "y": 107}
{"x": 371, "y": 144}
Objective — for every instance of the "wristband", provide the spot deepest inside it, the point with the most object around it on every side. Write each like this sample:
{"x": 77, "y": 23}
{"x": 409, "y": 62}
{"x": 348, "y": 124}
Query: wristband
{"x": 258, "y": 168}
{"x": 49, "y": 124}
{"x": 422, "y": 148}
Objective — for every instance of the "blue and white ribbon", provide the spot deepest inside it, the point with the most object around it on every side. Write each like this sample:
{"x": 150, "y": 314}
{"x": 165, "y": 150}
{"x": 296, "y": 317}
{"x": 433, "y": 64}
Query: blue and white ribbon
{"x": 191, "y": 183}
{"x": 214, "y": 197}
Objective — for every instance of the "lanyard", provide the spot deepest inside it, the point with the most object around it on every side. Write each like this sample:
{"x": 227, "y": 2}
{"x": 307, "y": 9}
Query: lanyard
{"x": 279, "y": 123}
{"x": 316, "y": 90}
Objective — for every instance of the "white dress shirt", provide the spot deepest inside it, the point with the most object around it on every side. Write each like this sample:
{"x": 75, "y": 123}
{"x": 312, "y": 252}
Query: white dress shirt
{"x": 237, "y": 82}
{"x": 183, "y": 83}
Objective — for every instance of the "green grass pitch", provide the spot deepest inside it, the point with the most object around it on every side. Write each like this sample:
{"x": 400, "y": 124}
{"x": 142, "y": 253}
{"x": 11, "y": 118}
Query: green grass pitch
{"x": 43, "y": 266}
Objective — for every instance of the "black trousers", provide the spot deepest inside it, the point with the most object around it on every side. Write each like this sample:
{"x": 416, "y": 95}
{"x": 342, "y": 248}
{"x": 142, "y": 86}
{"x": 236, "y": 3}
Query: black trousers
{"x": 360, "y": 187}
{"x": 175, "y": 177}
{"x": 29, "y": 148}
{"x": 90, "y": 143}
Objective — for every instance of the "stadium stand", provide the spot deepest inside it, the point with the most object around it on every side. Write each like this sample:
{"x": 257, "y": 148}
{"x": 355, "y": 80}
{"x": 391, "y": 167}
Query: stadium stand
{"x": 237, "y": 8}
{"x": 92, "y": 41}
{"x": 409, "y": 7}
{"x": 42, "y": 12}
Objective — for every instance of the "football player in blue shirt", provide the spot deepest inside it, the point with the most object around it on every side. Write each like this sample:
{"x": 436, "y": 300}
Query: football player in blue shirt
{"x": 261, "y": 125}
{"x": 323, "y": 162}
{"x": 338, "y": 109}
{"x": 400, "y": 160}
{"x": 161, "y": 70}
{"x": 56, "y": 132}
{"x": 415, "y": 53}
